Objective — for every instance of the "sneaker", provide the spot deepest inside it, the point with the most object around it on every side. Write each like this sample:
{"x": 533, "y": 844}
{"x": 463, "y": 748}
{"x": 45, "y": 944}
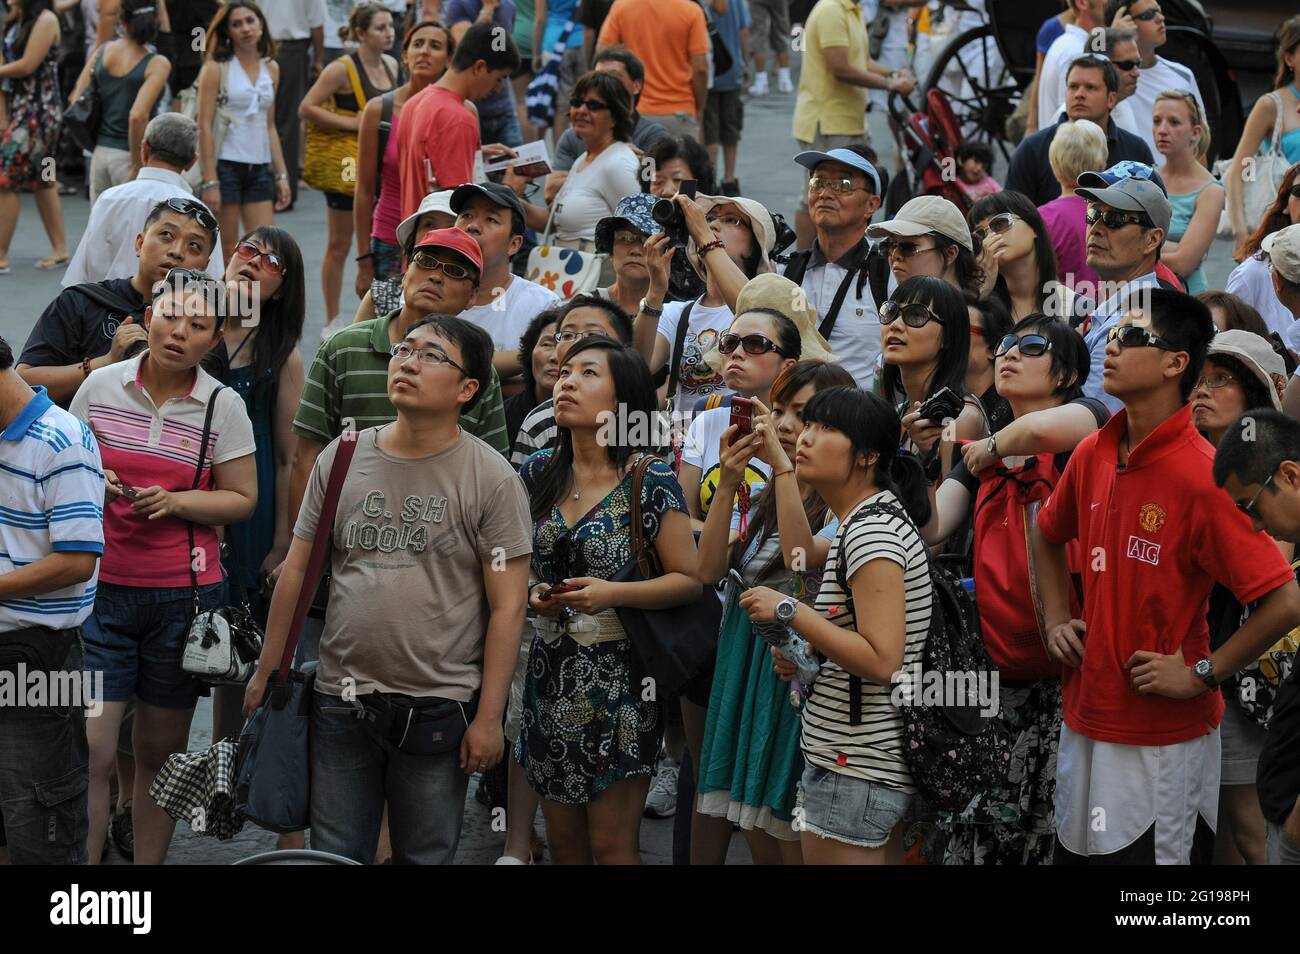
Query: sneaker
{"x": 783, "y": 84}
{"x": 731, "y": 187}
{"x": 760, "y": 85}
{"x": 661, "y": 801}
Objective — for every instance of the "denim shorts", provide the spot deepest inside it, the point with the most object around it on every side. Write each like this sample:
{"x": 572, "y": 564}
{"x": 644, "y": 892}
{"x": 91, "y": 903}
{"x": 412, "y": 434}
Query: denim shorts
{"x": 136, "y": 636}
{"x": 849, "y": 809}
{"x": 243, "y": 182}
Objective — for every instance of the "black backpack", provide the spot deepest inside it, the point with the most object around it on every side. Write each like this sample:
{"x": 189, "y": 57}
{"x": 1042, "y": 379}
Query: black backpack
{"x": 955, "y": 753}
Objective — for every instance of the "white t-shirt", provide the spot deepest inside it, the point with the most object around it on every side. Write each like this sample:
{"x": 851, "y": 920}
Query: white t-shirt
{"x": 703, "y": 442}
{"x": 507, "y": 317}
{"x": 1165, "y": 74}
{"x": 1252, "y": 282}
{"x": 696, "y": 378}
{"x": 1065, "y": 49}
{"x": 873, "y": 749}
{"x": 592, "y": 190}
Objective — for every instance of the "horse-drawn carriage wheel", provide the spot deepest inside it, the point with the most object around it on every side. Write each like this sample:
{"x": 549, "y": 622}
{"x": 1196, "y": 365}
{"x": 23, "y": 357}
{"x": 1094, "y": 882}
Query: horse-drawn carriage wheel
{"x": 981, "y": 88}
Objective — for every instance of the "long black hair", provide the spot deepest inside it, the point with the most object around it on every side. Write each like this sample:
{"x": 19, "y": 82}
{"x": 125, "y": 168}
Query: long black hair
{"x": 762, "y": 517}
{"x": 872, "y": 426}
{"x": 634, "y": 402}
{"x": 954, "y": 348}
{"x": 31, "y": 10}
{"x": 280, "y": 318}
{"x": 1044, "y": 254}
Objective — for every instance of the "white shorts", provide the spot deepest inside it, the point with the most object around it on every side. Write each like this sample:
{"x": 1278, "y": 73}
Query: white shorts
{"x": 1136, "y": 804}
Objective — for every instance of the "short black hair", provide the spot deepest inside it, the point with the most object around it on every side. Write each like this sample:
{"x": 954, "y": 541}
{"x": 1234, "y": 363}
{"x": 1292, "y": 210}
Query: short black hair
{"x": 162, "y": 208}
{"x": 689, "y": 151}
{"x": 974, "y": 149}
{"x": 1186, "y": 325}
{"x": 6, "y": 355}
{"x": 476, "y": 349}
{"x": 620, "y": 319}
{"x": 489, "y": 42}
{"x": 788, "y": 339}
{"x": 1090, "y": 61}
{"x": 621, "y": 54}
{"x": 1255, "y": 445}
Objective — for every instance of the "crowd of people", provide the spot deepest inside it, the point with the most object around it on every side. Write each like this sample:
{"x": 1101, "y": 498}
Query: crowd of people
{"x": 1032, "y": 407}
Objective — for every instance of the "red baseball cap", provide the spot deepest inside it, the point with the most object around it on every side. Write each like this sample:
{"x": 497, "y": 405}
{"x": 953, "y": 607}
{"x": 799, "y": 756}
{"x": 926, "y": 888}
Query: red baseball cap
{"x": 460, "y": 242}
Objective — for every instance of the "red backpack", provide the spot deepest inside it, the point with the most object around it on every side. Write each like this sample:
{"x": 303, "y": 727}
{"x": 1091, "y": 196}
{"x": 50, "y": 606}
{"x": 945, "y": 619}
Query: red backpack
{"x": 1011, "y": 613}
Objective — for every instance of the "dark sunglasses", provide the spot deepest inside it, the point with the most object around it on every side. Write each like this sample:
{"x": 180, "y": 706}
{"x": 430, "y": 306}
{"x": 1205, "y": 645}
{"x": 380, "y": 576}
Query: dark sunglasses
{"x": 1125, "y": 66}
{"x": 250, "y": 252}
{"x": 1294, "y": 191}
{"x": 1031, "y": 346}
{"x": 1132, "y": 336}
{"x": 753, "y": 344}
{"x": 905, "y": 249}
{"x": 196, "y": 210}
{"x": 593, "y": 105}
{"x": 426, "y": 261}
{"x": 914, "y": 314}
{"x": 1000, "y": 224}
{"x": 1114, "y": 220}
{"x": 1146, "y": 15}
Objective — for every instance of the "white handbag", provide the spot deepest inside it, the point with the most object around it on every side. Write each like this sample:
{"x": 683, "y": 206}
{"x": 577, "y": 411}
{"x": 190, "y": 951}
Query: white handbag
{"x": 1260, "y": 190}
{"x": 565, "y": 271}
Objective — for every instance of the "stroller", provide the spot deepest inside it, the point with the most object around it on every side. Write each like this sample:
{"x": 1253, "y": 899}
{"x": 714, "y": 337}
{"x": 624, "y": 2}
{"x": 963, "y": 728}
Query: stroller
{"x": 930, "y": 137}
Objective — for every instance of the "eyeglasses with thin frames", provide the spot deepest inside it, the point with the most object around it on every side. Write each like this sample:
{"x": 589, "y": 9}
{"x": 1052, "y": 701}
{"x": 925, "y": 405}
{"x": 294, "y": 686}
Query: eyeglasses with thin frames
{"x": 428, "y": 357}
{"x": 1249, "y": 508}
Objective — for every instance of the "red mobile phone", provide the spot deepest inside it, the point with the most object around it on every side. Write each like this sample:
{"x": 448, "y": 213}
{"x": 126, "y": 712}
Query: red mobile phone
{"x": 742, "y": 415}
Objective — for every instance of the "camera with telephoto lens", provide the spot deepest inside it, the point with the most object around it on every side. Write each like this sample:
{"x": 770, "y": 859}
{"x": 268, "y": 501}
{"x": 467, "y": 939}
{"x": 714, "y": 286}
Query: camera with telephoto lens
{"x": 670, "y": 217}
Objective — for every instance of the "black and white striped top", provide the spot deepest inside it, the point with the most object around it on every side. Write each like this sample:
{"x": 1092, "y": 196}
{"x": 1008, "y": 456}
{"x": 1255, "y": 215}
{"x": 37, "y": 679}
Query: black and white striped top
{"x": 872, "y": 750}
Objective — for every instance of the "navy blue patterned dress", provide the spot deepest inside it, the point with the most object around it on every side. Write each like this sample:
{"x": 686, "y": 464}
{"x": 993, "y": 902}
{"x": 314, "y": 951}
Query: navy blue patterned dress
{"x": 584, "y": 724}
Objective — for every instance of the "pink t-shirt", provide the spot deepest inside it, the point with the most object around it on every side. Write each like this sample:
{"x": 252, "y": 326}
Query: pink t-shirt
{"x": 147, "y": 445}
{"x": 388, "y": 210}
{"x": 1068, "y": 230}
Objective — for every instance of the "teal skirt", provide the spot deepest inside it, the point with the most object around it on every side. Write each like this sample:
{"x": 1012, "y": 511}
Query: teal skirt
{"x": 750, "y": 762}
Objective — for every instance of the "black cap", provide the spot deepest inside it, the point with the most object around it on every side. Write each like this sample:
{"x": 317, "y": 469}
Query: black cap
{"x": 503, "y": 196}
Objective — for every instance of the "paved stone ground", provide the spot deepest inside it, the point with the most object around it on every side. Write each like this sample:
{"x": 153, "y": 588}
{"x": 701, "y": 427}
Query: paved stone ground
{"x": 765, "y": 173}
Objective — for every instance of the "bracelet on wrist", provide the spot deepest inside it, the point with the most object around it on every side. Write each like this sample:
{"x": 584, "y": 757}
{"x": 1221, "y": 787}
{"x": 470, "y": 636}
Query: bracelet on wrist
{"x": 362, "y": 258}
{"x": 209, "y": 185}
{"x": 282, "y": 177}
{"x": 706, "y": 249}
{"x": 783, "y": 473}
{"x": 85, "y": 367}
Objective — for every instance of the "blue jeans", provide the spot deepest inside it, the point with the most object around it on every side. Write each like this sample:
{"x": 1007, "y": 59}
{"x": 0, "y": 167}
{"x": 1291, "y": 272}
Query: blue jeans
{"x": 44, "y": 771}
{"x": 503, "y": 129}
{"x": 353, "y": 775}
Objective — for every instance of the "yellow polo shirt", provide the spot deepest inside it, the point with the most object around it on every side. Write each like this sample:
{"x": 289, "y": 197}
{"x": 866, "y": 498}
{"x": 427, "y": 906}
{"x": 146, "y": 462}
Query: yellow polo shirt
{"x": 824, "y": 103}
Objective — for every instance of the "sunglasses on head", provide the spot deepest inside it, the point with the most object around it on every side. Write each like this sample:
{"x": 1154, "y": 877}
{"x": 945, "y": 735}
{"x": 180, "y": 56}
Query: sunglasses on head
{"x": 425, "y": 260}
{"x": 1031, "y": 346}
{"x": 914, "y": 314}
{"x": 999, "y": 224}
{"x": 1133, "y": 336}
{"x": 1115, "y": 220}
{"x": 593, "y": 105}
{"x": 904, "y": 249}
{"x": 272, "y": 262}
{"x": 196, "y": 210}
{"x": 753, "y": 344}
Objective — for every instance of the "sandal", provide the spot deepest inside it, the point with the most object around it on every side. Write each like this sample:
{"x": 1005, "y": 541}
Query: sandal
{"x": 123, "y": 832}
{"x": 53, "y": 261}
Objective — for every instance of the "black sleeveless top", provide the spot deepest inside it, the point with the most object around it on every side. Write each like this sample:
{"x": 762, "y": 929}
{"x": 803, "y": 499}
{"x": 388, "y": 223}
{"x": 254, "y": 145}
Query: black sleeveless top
{"x": 348, "y": 101}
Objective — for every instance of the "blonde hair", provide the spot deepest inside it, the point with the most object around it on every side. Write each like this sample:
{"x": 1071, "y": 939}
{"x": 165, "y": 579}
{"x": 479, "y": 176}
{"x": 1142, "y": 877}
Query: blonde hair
{"x": 1202, "y": 143}
{"x": 1077, "y": 147}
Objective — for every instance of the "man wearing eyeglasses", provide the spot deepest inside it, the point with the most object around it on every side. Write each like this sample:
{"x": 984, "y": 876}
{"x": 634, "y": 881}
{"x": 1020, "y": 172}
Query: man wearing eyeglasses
{"x": 430, "y": 576}
{"x": 89, "y": 326}
{"x": 107, "y": 247}
{"x": 1157, "y": 73}
{"x": 1128, "y": 219}
{"x": 1257, "y": 464}
{"x": 1139, "y": 760}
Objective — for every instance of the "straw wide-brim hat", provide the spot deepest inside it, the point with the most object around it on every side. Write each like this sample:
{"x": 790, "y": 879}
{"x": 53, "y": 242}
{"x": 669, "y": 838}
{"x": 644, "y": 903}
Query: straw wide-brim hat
{"x": 780, "y": 294}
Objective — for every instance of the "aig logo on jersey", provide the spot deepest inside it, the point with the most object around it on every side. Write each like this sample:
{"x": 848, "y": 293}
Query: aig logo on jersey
{"x": 1144, "y": 550}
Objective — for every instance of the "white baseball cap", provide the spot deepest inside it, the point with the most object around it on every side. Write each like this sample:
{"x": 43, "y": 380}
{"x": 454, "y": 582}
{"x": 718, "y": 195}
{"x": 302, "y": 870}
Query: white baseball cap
{"x": 1283, "y": 248}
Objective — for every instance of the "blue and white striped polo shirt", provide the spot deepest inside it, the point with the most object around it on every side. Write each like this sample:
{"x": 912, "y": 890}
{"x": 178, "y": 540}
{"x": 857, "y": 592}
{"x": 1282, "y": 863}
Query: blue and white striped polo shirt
{"x": 51, "y": 500}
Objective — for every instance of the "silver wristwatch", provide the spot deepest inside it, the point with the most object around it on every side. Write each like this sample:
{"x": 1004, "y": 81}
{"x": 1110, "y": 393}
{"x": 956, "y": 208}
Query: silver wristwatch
{"x": 785, "y": 610}
{"x": 1204, "y": 671}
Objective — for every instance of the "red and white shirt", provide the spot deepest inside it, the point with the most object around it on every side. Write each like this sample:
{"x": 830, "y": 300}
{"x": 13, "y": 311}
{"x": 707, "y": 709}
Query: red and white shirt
{"x": 1156, "y": 536}
{"x": 148, "y": 445}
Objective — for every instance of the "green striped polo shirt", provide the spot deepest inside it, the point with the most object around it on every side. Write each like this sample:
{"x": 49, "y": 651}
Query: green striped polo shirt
{"x": 348, "y": 385}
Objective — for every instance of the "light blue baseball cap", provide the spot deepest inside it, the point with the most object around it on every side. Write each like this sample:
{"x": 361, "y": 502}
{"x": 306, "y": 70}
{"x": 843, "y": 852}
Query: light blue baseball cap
{"x": 847, "y": 157}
